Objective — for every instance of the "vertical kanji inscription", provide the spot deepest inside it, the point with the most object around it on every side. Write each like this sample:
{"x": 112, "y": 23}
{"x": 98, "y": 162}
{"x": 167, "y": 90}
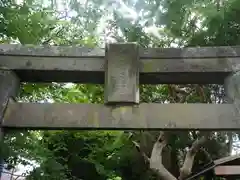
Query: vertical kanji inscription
{"x": 122, "y": 73}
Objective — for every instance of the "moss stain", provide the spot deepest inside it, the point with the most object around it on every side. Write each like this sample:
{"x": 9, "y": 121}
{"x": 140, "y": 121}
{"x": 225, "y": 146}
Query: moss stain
{"x": 123, "y": 109}
{"x": 30, "y": 45}
{"x": 148, "y": 66}
{"x": 93, "y": 119}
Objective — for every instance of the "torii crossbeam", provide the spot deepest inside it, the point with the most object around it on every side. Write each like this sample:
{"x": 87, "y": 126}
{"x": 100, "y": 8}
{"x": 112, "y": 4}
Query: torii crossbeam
{"x": 121, "y": 67}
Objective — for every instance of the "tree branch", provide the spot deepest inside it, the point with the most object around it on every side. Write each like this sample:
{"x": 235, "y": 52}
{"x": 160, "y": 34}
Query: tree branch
{"x": 230, "y": 144}
{"x": 186, "y": 169}
{"x": 156, "y": 158}
{"x": 172, "y": 93}
{"x": 56, "y": 34}
{"x": 207, "y": 155}
{"x": 155, "y": 161}
{"x": 145, "y": 157}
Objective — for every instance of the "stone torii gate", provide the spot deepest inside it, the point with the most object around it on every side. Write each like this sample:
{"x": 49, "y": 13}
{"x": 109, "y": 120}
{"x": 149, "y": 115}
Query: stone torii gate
{"x": 121, "y": 67}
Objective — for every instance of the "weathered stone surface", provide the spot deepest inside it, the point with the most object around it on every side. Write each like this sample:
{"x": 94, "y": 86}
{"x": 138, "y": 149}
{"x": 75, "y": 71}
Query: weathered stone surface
{"x": 9, "y": 85}
{"x": 122, "y": 73}
{"x": 205, "y": 65}
{"x": 77, "y": 51}
{"x": 144, "y": 116}
{"x": 50, "y": 51}
{"x": 232, "y": 89}
{"x": 91, "y": 70}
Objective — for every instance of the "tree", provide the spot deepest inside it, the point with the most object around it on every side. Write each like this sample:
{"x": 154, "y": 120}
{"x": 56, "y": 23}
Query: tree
{"x": 152, "y": 23}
